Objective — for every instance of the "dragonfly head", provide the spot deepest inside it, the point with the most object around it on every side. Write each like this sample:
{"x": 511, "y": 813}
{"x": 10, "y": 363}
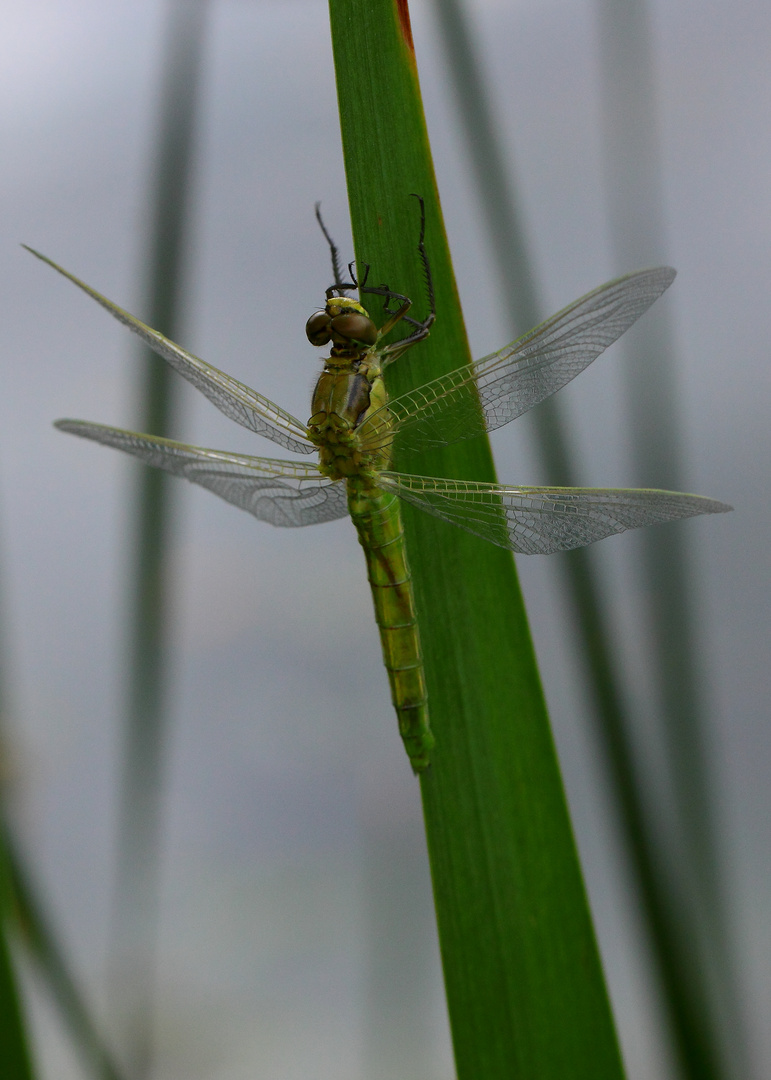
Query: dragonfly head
{"x": 344, "y": 322}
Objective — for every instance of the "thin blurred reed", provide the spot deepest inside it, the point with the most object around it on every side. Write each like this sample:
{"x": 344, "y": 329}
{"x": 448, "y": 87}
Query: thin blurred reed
{"x": 25, "y": 923}
{"x": 687, "y": 1003}
{"x": 15, "y": 1053}
{"x": 667, "y": 564}
{"x": 38, "y": 936}
{"x": 133, "y": 938}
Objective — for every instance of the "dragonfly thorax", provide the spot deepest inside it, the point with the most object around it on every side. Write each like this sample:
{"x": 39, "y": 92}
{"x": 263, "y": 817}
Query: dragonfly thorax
{"x": 346, "y": 395}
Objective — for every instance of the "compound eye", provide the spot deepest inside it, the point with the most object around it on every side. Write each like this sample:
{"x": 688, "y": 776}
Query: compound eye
{"x": 319, "y": 328}
{"x": 355, "y": 327}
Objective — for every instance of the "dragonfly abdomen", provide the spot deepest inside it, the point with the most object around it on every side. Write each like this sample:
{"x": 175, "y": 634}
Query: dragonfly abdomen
{"x": 377, "y": 518}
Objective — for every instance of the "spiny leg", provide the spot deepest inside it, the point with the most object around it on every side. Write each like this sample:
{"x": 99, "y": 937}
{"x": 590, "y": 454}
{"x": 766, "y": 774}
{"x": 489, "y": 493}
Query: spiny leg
{"x": 421, "y": 328}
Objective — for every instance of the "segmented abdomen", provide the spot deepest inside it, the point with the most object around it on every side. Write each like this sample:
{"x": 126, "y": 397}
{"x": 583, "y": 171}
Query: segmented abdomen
{"x": 377, "y": 518}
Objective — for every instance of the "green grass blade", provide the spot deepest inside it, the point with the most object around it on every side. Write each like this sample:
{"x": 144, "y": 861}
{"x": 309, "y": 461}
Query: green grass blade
{"x": 525, "y": 990}
{"x": 14, "y": 1050}
{"x": 133, "y": 955}
{"x": 35, "y": 931}
{"x": 22, "y": 922}
{"x": 15, "y": 1058}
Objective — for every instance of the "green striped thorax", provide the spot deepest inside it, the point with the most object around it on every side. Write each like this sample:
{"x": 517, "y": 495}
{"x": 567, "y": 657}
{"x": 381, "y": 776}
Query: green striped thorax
{"x": 349, "y": 390}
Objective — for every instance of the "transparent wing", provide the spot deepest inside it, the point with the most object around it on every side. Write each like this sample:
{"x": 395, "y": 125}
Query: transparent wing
{"x": 236, "y": 401}
{"x": 280, "y": 492}
{"x": 499, "y": 387}
{"x": 542, "y": 520}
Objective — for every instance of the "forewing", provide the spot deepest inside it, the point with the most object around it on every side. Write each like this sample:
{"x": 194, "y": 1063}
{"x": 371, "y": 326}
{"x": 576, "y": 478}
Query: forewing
{"x": 280, "y": 492}
{"x": 542, "y": 520}
{"x": 492, "y": 391}
{"x": 234, "y": 399}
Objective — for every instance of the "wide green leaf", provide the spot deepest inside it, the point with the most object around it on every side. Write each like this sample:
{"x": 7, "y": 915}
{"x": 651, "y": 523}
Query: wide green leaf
{"x": 525, "y": 989}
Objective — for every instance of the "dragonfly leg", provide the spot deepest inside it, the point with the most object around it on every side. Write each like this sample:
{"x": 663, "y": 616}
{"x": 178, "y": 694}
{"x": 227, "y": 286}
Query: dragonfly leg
{"x": 332, "y": 249}
{"x": 393, "y": 352}
{"x": 399, "y": 314}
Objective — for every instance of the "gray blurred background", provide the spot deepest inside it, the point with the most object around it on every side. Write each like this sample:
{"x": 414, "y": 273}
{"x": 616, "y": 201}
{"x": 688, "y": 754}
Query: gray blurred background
{"x": 296, "y": 935}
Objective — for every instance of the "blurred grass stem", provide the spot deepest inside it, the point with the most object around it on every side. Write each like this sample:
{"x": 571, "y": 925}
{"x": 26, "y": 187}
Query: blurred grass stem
{"x": 37, "y": 935}
{"x": 687, "y": 1009}
{"x": 636, "y": 210}
{"x": 139, "y": 830}
{"x": 14, "y": 1046}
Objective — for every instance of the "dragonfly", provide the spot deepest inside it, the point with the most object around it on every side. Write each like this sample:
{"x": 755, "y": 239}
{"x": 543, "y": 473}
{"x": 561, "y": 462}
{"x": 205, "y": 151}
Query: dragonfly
{"x": 354, "y": 429}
